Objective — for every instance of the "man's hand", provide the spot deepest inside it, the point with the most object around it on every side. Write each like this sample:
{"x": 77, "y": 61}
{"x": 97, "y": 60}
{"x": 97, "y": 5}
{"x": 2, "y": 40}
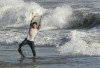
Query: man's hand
{"x": 36, "y": 15}
{"x": 32, "y": 13}
{"x": 40, "y": 17}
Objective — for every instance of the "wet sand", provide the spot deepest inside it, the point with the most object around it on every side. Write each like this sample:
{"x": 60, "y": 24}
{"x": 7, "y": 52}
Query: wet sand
{"x": 9, "y": 57}
{"x": 47, "y": 57}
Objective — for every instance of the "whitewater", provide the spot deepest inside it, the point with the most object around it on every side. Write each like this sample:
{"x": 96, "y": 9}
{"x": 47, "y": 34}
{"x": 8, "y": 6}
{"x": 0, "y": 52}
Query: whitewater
{"x": 71, "y": 27}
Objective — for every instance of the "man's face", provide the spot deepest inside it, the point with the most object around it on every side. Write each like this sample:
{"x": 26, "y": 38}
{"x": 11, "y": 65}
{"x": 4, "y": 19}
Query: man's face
{"x": 34, "y": 25}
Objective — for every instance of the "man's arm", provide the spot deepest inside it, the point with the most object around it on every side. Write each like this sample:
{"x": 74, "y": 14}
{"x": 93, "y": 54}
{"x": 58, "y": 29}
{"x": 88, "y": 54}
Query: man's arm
{"x": 40, "y": 23}
{"x": 36, "y": 15}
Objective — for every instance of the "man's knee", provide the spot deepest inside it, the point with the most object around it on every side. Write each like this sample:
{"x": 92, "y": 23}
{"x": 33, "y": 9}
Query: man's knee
{"x": 19, "y": 49}
{"x": 20, "y": 45}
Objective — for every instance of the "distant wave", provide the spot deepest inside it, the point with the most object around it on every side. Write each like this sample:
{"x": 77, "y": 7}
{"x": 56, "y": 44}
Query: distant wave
{"x": 85, "y": 20}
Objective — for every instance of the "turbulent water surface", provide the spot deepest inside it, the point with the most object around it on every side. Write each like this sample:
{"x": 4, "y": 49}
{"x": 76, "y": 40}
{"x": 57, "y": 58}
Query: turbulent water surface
{"x": 70, "y": 32}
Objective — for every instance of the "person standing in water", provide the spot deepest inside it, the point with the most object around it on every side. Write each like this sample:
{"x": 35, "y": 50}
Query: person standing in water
{"x": 30, "y": 37}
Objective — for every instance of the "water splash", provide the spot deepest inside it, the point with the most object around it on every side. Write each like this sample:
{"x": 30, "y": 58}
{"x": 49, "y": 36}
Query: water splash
{"x": 81, "y": 43}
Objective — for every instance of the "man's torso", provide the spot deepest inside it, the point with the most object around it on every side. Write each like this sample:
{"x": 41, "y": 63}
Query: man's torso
{"x": 31, "y": 34}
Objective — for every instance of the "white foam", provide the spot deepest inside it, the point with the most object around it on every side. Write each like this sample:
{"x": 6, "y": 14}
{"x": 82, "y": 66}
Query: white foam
{"x": 58, "y": 17}
{"x": 71, "y": 43}
{"x": 81, "y": 43}
{"x": 18, "y": 13}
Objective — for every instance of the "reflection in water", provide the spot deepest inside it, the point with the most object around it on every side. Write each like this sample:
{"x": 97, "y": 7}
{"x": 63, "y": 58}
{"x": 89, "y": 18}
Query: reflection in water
{"x": 24, "y": 64}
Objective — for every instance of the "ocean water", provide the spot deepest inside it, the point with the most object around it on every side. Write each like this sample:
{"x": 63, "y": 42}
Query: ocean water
{"x": 70, "y": 32}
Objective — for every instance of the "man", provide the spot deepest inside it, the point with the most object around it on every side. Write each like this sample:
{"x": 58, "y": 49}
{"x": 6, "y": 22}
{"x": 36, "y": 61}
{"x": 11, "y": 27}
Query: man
{"x": 30, "y": 38}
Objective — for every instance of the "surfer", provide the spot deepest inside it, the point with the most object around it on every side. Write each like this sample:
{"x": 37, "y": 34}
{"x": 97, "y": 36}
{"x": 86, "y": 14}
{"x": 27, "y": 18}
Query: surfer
{"x": 30, "y": 37}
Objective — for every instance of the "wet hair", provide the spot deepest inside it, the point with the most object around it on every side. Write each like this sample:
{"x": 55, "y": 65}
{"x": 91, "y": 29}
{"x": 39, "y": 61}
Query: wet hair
{"x": 31, "y": 25}
{"x": 34, "y": 23}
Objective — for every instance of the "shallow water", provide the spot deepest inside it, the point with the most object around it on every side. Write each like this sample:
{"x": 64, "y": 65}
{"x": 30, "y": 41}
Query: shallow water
{"x": 59, "y": 48}
{"x": 46, "y": 57}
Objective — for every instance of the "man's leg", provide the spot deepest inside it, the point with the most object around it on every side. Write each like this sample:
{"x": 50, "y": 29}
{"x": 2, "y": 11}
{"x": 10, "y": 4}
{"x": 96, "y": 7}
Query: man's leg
{"x": 20, "y": 45}
{"x": 31, "y": 44}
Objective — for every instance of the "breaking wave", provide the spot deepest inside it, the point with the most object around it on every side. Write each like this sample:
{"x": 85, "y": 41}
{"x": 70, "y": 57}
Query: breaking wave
{"x": 19, "y": 13}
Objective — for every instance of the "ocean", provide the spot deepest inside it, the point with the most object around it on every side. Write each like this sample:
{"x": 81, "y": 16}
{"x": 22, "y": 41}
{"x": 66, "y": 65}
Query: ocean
{"x": 69, "y": 36}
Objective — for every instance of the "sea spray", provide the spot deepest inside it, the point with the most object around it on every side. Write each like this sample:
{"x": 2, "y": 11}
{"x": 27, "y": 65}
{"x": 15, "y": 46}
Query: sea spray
{"x": 18, "y": 13}
{"x": 81, "y": 43}
{"x": 58, "y": 17}
{"x": 15, "y": 13}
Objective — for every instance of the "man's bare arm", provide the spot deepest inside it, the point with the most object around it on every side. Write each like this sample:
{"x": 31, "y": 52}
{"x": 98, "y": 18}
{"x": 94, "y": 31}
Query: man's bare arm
{"x": 32, "y": 19}
{"x": 36, "y": 15}
{"x": 40, "y": 23}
